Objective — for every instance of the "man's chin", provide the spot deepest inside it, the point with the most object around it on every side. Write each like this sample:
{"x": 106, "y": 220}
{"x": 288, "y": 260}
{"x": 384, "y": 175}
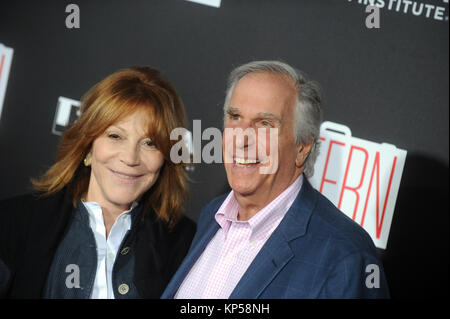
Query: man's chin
{"x": 243, "y": 190}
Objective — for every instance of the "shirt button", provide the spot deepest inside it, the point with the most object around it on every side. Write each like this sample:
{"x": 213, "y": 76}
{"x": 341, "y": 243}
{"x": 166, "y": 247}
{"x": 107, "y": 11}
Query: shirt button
{"x": 125, "y": 251}
{"x": 110, "y": 255}
{"x": 123, "y": 289}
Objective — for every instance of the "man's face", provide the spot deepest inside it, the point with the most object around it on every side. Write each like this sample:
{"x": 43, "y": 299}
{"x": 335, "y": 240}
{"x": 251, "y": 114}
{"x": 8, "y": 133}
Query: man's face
{"x": 261, "y": 100}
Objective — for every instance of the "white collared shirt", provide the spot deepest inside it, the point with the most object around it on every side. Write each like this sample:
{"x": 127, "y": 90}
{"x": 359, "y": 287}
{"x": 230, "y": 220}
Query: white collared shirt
{"x": 107, "y": 248}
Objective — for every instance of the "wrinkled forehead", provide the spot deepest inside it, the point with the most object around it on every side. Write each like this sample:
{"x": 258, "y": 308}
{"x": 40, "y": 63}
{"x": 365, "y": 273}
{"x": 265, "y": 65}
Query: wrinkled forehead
{"x": 266, "y": 93}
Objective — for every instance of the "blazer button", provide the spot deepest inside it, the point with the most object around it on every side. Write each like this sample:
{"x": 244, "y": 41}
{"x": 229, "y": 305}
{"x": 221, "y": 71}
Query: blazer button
{"x": 123, "y": 289}
{"x": 125, "y": 251}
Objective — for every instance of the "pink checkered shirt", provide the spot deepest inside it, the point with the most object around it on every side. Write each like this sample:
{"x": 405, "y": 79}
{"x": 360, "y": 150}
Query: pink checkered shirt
{"x": 231, "y": 251}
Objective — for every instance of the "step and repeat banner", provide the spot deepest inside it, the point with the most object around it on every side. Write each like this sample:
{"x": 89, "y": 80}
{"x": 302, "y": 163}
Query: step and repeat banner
{"x": 383, "y": 66}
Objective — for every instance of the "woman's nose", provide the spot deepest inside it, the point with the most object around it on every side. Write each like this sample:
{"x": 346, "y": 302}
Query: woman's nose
{"x": 130, "y": 155}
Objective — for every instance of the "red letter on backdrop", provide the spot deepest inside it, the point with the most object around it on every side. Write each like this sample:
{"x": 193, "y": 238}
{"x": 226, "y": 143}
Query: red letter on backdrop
{"x": 326, "y": 165}
{"x": 354, "y": 189}
{"x": 376, "y": 165}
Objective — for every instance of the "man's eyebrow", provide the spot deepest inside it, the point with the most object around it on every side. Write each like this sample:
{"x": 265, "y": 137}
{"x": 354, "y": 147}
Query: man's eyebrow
{"x": 268, "y": 115}
{"x": 261, "y": 115}
{"x": 232, "y": 110}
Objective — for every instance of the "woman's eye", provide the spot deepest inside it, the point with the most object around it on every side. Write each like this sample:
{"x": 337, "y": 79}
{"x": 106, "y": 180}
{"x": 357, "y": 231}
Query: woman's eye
{"x": 150, "y": 144}
{"x": 113, "y": 136}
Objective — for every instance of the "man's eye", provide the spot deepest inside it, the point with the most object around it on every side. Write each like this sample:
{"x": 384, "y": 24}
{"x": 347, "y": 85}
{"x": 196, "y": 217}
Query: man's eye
{"x": 235, "y": 117}
{"x": 264, "y": 124}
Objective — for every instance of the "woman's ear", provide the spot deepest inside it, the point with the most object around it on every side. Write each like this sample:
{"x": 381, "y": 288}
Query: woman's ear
{"x": 302, "y": 154}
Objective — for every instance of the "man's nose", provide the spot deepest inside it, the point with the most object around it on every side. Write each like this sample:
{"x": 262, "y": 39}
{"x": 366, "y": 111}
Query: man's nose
{"x": 246, "y": 136}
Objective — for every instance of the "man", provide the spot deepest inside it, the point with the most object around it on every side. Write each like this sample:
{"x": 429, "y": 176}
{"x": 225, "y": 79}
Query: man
{"x": 273, "y": 235}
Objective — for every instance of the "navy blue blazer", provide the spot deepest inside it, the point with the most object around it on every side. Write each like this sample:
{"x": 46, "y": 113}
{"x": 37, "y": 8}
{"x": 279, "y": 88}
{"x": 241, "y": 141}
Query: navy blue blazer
{"x": 315, "y": 252}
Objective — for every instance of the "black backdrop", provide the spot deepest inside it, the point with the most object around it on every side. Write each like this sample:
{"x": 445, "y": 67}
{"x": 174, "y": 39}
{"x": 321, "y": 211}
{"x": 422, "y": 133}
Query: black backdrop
{"x": 388, "y": 85}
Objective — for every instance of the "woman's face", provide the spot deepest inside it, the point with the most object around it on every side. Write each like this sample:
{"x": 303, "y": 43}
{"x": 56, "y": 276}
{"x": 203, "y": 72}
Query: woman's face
{"x": 125, "y": 163}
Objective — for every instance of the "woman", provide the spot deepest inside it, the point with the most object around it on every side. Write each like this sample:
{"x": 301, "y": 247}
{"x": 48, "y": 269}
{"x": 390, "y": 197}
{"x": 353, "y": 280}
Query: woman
{"x": 107, "y": 221}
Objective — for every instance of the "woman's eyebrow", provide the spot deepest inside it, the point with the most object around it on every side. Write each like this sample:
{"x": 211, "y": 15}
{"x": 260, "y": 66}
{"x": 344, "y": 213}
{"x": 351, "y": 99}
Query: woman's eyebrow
{"x": 124, "y": 131}
{"x": 119, "y": 127}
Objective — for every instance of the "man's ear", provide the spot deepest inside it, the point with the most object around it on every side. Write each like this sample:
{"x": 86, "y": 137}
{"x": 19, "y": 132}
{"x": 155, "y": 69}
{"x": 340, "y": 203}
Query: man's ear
{"x": 302, "y": 154}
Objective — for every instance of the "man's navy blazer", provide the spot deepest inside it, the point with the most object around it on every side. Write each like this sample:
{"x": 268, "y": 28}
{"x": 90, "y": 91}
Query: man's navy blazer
{"x": 315, "y": 252}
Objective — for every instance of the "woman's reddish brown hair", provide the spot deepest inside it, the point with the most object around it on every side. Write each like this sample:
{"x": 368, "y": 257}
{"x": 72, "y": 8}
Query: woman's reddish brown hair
{"x": 112, "y": 99}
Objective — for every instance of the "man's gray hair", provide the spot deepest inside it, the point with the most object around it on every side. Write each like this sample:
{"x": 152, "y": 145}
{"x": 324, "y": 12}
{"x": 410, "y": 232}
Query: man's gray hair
{"x": 308, "y": 109}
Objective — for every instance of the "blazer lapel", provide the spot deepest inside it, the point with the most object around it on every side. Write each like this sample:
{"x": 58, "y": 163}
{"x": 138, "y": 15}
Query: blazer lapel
{"x": 272, "y": 257}
{"x": 194, "y": 253}
{"x": 276, "y": 252}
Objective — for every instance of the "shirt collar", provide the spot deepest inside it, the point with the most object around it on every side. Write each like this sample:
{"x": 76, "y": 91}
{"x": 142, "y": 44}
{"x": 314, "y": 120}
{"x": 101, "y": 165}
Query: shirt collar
{"x": 275, "y": 210}
{"x": 95, "y": 210}
{"x": 97, "y": 205}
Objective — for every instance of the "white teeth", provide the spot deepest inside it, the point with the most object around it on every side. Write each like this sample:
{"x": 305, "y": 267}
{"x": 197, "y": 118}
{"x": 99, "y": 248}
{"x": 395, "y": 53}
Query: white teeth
{"x": 124, "y": 176}
{"x": 245, "y": 161}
